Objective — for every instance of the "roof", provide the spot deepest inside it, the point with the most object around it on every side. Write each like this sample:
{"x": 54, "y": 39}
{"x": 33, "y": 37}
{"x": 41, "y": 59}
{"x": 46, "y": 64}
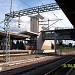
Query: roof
{"x": 18, "y": 36}
{"x": 60, "y": 30}
{"x": 68, "y": 7}
{"x": 14, "y": 35}
{"x": 29, "y": 33}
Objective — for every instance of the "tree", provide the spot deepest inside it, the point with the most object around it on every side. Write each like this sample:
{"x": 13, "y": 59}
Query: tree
{"x": 60, "y": 42}
{"x": 70, "y": 45}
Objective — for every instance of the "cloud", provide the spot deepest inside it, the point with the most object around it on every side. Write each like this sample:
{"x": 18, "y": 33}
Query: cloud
{"x": 58, "y": 14}
{"x": 52, "y": 15}
{"x": 22, "y": 25}
{"x": 25, "y": 20}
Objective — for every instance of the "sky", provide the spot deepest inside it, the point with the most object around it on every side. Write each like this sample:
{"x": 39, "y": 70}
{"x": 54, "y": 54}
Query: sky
{"x": 25, "y": 20}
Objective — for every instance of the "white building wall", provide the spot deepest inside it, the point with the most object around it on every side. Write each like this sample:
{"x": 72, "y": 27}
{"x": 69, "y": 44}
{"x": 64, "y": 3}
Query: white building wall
{"x": 34, "y": 27}
{"x": 46, "y": 45}
{"x": 39, "y": 41}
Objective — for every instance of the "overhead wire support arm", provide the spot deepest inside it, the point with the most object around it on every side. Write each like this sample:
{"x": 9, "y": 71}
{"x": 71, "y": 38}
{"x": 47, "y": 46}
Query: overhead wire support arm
{"x": 51, "y": 20}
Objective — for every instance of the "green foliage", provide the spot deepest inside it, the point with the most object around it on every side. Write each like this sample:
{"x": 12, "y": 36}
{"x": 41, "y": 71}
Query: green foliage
{"x": 65, "y": 47}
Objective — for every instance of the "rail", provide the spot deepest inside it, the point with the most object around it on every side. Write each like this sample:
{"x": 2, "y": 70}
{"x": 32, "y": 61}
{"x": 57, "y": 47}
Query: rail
{"x": 42, "y": 69}
{"x": 59, "y": 67}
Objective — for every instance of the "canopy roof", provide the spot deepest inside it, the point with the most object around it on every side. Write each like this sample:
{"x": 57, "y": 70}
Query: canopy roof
{"x": 13, "y": 36}
{"x": 68, "y": 7}
{"x": 29, "y": 33}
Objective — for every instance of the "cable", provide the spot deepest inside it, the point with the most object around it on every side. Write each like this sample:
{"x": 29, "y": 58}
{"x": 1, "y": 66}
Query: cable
{"x": 2, "y": 27}
{"x": 19, "y": 22}
{"x": 53, "y": 23}
{"x": 57, "y": 17}
{"x": 49, "y": 26}
{"x": 41, "y": 2}
{"x": 1, "y": 22}
{"x": 25, "y": 3}
{"x": 11, "y": 7}
{"x": 19, "y": 16}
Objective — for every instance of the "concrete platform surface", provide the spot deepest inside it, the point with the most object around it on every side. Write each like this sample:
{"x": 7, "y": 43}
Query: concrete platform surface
{"x": 29, "y": 60}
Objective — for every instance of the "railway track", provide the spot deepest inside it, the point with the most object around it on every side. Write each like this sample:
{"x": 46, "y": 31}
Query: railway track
{"x": 25, "y": 62}
{"x": 64, "y": 69}
{"x": 50, "y": 68}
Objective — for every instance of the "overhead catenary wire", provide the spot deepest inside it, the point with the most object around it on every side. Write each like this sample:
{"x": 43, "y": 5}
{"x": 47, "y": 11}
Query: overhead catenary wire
{"x": 10, "y": 13}
{"x": 4, "y": 19}
{"x": 1, "y": 23}
{"x": 50, "y": 25}
{"x": 25, "y": 3}
{"x": 41, "y": 2}
{"x": 19, "y": 22}
{"x": 2, "y": 27}
{"x": 19, "y": 16}
{"x": 57, "y": 17}
{"x": 11, "y": 7}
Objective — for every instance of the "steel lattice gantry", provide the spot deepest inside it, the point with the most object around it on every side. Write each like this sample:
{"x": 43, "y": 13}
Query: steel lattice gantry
{"x": 14, "y": 14}
{"x": 33, "y": 10}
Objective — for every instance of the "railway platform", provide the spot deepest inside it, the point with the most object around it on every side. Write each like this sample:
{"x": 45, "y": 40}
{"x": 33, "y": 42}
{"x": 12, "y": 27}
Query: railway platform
{"x": 25, "y": 62}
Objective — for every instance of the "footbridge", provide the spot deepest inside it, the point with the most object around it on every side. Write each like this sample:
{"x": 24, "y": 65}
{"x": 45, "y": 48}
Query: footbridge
{"x": 59, "y": 34}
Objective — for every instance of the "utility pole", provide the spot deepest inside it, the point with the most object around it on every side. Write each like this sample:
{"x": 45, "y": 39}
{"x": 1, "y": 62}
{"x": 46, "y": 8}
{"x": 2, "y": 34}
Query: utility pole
{"x": 7, "y": 36}
{"x": 55, "y": 41}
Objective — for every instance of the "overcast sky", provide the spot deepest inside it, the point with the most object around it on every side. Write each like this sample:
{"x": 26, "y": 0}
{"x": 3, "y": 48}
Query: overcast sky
{"x": 25, "y": 20}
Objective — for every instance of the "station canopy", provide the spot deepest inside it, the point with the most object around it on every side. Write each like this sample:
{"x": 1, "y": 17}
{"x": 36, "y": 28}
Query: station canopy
{"x": 68, "y": 7}
{"x": 33, "y": 34}
{"x": 13, "y": 36}
{"x": 64, "y": 34}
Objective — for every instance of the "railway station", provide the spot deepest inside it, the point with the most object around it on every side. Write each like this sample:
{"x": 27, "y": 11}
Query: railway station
{"x": 42, "y": 50}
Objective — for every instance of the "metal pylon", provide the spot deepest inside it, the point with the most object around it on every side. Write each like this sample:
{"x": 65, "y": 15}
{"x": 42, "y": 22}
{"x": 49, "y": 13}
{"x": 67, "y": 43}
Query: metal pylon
{"x": 6, "y": 50}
